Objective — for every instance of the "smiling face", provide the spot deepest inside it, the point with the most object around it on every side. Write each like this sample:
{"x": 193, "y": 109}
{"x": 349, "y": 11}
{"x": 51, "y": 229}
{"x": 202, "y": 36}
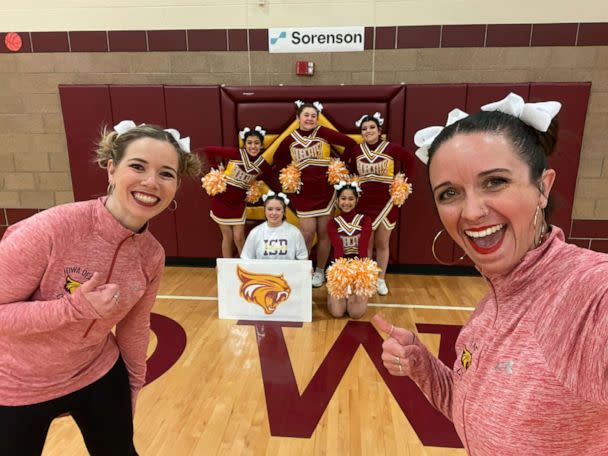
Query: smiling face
{"x": 370, "y": 132}
{"x": 347, "y": 200}
{"x": 308, "y": 118}
{"x": 274, "y": 211}
{"x": 253, "y": 145}
{"x": 485, "y": 199}
{"x": 144, "y": 182}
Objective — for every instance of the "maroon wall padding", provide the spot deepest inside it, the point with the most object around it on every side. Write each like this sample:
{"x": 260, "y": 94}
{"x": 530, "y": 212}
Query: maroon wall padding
{"x": 565, "y": 159}
{"x": 273, "y": 108}
{"x": 213, "y": 115}
{"x": 425, "y": 105}
{"x": 85, "y": 110}
{"x": 146, "y": 104}
{"x": 194, "y": 111}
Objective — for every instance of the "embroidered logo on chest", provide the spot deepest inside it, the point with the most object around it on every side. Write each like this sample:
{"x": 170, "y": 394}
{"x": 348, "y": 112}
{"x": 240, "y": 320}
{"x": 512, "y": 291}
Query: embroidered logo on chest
{"x": 466, "y": 358}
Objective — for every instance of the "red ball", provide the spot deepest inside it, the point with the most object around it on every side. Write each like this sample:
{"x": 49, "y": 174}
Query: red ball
{"x": 13, "y": 41}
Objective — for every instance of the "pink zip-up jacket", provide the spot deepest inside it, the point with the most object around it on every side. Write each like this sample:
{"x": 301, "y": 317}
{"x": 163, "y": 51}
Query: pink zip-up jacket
{"x": 531, "y": 374}
{"x": 52, "y": 341}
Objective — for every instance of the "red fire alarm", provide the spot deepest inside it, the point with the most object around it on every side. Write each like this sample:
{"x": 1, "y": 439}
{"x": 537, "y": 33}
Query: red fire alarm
{"x": 305, "y": 68}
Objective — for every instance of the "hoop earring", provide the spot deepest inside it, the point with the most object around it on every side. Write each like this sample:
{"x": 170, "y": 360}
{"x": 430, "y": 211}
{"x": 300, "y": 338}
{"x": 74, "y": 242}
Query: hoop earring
{"x": 174, "y": 206}
{"x": 437, "y": 236}
{"x": 538, "y": 238}
{"x": 110, "y": 188}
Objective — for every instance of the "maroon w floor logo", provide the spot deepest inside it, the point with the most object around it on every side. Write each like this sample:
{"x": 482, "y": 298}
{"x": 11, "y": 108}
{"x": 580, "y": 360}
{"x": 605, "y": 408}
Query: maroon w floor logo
{"x": 293, "y": 415}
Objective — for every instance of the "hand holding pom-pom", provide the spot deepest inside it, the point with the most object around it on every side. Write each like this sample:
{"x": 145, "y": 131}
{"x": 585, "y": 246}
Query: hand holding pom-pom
{"x": 214, "y": 182}
{"x": 336, "y": 171}
{"x": 254, "y": 192}
{"x": 290, "y": 178}
{"x": 339, "y": 278}
{"x": 400, "y": 189}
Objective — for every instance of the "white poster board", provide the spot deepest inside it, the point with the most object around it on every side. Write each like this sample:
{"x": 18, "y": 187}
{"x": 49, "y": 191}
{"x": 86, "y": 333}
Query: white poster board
{"x": 271, "y": 290}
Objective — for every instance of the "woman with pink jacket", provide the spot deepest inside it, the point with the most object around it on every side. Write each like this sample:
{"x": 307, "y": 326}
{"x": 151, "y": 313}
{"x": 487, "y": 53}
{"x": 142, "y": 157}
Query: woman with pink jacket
{"x": 71, "y": 274}
{"x": 531, "y": 374}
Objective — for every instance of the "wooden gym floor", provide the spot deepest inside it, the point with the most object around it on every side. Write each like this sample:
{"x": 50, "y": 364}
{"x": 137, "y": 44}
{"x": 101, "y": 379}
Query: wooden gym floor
{"x": 313, "y": 389}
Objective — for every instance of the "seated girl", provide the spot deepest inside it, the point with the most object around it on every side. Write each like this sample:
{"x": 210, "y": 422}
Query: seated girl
{"x": 275, "y": 239}
{"x": 349, "y": 234}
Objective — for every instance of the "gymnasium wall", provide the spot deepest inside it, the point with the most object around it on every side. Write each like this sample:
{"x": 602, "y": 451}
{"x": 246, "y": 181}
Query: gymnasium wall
{"x": 542, "y": 47}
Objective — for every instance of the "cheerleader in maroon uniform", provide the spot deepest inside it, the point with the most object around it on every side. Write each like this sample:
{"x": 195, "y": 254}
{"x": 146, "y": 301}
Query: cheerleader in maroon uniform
{"x": 309, "y": 149}
{"x": 244, "y": 166}
{"x": 349, "y": 234}
{"x": 374, "y": 162}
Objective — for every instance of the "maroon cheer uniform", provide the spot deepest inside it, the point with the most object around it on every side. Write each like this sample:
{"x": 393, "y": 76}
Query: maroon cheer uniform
{"x": 349, "y": 234}
{"x": 311, "y": 153}
{"x": 228, "y": 208}
{"x": 375, "y": 166}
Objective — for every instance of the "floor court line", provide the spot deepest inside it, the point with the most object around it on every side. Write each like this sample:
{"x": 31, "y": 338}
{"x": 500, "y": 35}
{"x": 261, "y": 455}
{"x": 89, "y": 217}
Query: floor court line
{"x": 397, "y": 306}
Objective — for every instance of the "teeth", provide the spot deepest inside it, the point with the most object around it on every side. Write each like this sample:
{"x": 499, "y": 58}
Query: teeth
{"x": 484, "y": 233}
{"x": 145, "y": 198}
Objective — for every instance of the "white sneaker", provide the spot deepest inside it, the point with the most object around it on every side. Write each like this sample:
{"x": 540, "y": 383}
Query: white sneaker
{"x": 318, "y": 278}
{"x": 382, "y": 288}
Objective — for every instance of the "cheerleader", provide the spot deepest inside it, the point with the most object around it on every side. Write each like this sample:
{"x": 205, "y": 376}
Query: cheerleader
{"x": 243, "y": 168}
{"x": 309, "y": 149}
{"x": 349, "y": 234}
{"x": 374, "y": 162}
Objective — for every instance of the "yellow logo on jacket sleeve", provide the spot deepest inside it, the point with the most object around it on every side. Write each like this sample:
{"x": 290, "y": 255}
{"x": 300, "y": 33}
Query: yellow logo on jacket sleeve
{"x": 265, "y": 290}
{"x": 466, "y": 358}
{"x": 71, "y": 285}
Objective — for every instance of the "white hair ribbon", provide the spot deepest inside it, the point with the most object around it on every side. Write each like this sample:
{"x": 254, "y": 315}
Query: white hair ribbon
{"x": 379, "y": 118}
{"x": 267, "y": 195}
{"x": 283, "y": 196}
{"x": 298, "y": 103}
{"x": 536, "y": 115}
{"x": 360, "y": 121}
{"x": 125, "y": 125}
{"x": 425, "y": 137}
{"x": 184, "y": 143}
{"x": 260, "y": 130}
{"x": 354, "y": 185}
{"x": 243, "y": 132}
{"x": 318, "y": 106}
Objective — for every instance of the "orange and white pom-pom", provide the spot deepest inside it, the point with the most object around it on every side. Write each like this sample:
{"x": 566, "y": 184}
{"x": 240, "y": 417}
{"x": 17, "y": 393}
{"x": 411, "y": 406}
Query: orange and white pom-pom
{"x": 339, "y": 278}
{"x": 364, "y": 276}
{"x": 336, "y": 171}
{"x": 400, "y": 189}
{"x": 214, "y": 182}
{"x": 254, "y": 192}
{"x": 290, "y": 178}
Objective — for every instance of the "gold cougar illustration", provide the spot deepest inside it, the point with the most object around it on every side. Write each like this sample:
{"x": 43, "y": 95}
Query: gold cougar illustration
{"x": 265, "y": 290}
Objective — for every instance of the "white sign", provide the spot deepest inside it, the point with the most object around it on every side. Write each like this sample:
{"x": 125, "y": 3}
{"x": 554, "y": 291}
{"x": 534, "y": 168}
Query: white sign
{"x": 316, "y": 39}
{"x": 271, "y": 290}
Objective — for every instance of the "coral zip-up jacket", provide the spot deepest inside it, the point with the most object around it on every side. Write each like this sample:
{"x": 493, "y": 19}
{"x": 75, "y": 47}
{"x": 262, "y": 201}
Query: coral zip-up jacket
{"x": 52, "y": 341}
{"x": 531, "y": 374}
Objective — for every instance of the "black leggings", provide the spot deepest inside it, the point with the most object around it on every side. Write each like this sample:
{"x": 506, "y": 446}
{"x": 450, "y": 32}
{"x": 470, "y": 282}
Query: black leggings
{"x": 101, "y": 410}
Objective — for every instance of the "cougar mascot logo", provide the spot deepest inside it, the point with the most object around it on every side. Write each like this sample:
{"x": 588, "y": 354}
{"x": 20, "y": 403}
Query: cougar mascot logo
{"x": 265, "y": 290}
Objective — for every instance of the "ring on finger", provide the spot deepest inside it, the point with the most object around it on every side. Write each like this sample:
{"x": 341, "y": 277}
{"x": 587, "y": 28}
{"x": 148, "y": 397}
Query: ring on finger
{"x": 397, "y": 361}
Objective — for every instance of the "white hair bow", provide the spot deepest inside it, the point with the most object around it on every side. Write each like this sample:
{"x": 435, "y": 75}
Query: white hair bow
{"x": 298, "y": 103}
{"x": 243, "y": 132}
{"x": 379, "y": 118}
{"x": 318, "y": 106}
{"x": 537, "y": 115}
{"x": 355, "y": 185}
{"x": 281, "y": 195}
{"x": 425, "y": 137}
{"x": 376, "y": 116}
{"x": 260, "y": 130}
{"x": 125, "y": 125}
